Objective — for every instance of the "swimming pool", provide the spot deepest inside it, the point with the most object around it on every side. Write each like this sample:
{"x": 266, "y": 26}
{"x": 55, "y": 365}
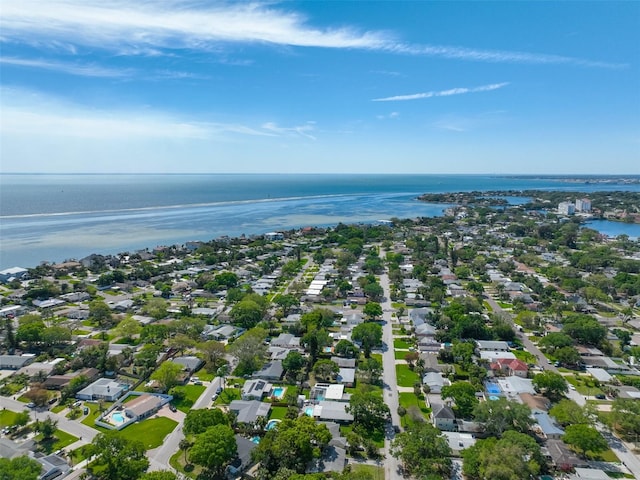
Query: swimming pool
{"x": 278, "y": 392}
{"x": 493, "y": 388}
{"x": 117, "y": 417}
{"x": 271, "y": 424}
{"x": 494, "y": 398}
{"x": 256, "y": 440}
{"x": 309, "y": 411}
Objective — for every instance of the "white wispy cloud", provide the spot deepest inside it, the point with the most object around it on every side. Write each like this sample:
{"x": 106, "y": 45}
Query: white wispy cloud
{"x": 144, "y": 27}
{"x": 33, "y": 114}
{"x": 86, "y": 70}
{"x": 388, "y": 116}
{"x": 302, "y": 130}
{"x": 442, "y": 93}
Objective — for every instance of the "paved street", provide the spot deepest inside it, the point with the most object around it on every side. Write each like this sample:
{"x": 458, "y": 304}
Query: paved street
{"x": 73, "y": 427}
{"x": 159, "y": 457}
{"x": 390, "y": 390}
{"x": 622, "y": 450}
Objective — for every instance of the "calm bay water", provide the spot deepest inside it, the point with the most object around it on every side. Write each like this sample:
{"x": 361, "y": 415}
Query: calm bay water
{"x": 58, "y": 217}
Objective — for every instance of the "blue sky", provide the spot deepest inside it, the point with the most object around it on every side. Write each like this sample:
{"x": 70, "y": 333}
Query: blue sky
{"x": 397, "y": 87}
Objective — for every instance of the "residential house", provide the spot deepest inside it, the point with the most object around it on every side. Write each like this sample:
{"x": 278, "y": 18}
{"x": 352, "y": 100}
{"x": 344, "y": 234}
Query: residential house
{"x": 15, "y": 362}
{"x": 589, "y": 474}
{"x": 346, "y": 376}
{"x": 58, "y": 382}
{"x": 255, "y": 389}
{"x": 286, "y": 340}
{"x": 189, "y": 363}
{"x": 145, "y": 405}
{"x": 14, "y": 273}
{"x": 442, "y": 417}
{"x": 103, "y": 388}
{"x": 53, "y": 466}
{"x": 459, "y": 441}
{"x": 545, "y": 425}
{"x": 492, "y": 345}
{"x": 243, "y": 458}
{"x": 332, "y": 411}
{"x": 344, "y": 362}
{"x": 326, "y": 391}
{"x": 248, "y": 411}
{"x": 510, "y": 367}
{"x": 435, "y": 381}
{"x": 271, "y": 371}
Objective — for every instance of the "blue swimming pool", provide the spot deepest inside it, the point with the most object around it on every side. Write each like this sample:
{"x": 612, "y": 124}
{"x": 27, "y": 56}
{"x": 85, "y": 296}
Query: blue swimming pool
{"x": 309, "y": 411}
{"x": 272, "y": 424}
{"x": 256, "y": 440}
{"x": 277, "y": 392}
{"x": 493, "y": 388}
{"x": 117, "y": 417}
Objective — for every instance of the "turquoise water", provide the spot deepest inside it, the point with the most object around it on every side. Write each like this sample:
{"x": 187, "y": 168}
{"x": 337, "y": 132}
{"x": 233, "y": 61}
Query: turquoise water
{"x": 272, "y": 424}
{"x": 117, "y": 417}
{"x": 278, "y": 392}
{"x": 59, "y": 217}
{"x": 493, "y": 388}
{"x": 256, "y": 440}
{"x": 309, "y": 411}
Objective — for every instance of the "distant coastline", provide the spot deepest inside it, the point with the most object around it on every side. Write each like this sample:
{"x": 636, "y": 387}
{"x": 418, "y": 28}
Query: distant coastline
{"x": 58, "y": 217}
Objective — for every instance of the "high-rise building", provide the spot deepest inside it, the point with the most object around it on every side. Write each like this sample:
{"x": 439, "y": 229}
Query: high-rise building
{"x": 566, "y": 208}
{"x": 583, "y": 205}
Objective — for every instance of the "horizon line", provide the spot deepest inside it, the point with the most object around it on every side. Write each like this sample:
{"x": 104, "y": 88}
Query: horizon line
{"x": 331, "y": 173}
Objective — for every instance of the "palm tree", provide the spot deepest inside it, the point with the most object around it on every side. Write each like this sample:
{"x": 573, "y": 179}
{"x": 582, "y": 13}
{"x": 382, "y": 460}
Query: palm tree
{"x": 185, "y": 445}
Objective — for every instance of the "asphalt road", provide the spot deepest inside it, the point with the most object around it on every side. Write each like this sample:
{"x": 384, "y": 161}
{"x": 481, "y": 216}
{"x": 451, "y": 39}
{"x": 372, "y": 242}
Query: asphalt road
{"x": 624, "y": 453}
{"x": 75, "y": 428}
{"x": 390, "y": 390}
{"x": 159, "y": 457}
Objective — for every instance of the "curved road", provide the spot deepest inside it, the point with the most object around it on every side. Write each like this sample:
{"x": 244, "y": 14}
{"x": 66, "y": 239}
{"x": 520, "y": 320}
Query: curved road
{"x": 624, "y": 453}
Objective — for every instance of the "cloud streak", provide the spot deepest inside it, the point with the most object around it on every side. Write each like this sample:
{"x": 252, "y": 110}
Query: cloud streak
{"x": 442, "y": 93}
{"x": 155, "y": 28}
{"x": 34, "y": 115}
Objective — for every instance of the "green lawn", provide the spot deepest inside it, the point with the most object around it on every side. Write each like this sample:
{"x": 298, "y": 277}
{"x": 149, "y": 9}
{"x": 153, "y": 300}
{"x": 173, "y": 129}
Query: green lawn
{"x": 524, "y": 356}
{"x": 206, "y": 376}
{"x": 58, "y": 408}
{"x": 402, "y": 343}
{"x": 375, "y": 473}
{"x": 60, "y": 440}
{"x": 585, "y": 384}
{"x": 400, "y": 354}
{"x": 227, "y": 396}
{"x": 406, "y": 377}
{"x": 192, "y": 393}
{"x": 151, "y": 431}
{"x": 7, "y": 417}
{"x": 94, "y": 413}
{"x": 377, "y": 356}
{"x": 277, "y": 413}
{"x": 377, "y": 438}
{"x": 407, "y": 400}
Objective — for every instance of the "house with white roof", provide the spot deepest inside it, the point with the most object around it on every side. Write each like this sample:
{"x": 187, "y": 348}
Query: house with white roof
{"x": 103, "y": 388}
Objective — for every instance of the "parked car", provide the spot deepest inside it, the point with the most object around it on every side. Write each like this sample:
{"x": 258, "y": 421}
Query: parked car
{"x": 172, "y": 407}
{"x": 215, "y": 397}
{"x": 31, "y": 405}
{"x": 601, "y": 396}
{"x": 85, "y": 410}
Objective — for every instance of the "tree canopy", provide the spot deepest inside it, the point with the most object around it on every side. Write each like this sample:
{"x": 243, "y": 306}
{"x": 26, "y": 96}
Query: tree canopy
{"x": 118, "y": 458}
{"x": 423, "y": 450}
{"x": 19, "y": 468}
{"x": 369, "y": 335}
{"x": 501, "y": 415}
{"x": 516, "y": 456}
{"x": 292, "y": 445}
{"x": 199, "y": 420}
{"x": 214, "y": 448}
